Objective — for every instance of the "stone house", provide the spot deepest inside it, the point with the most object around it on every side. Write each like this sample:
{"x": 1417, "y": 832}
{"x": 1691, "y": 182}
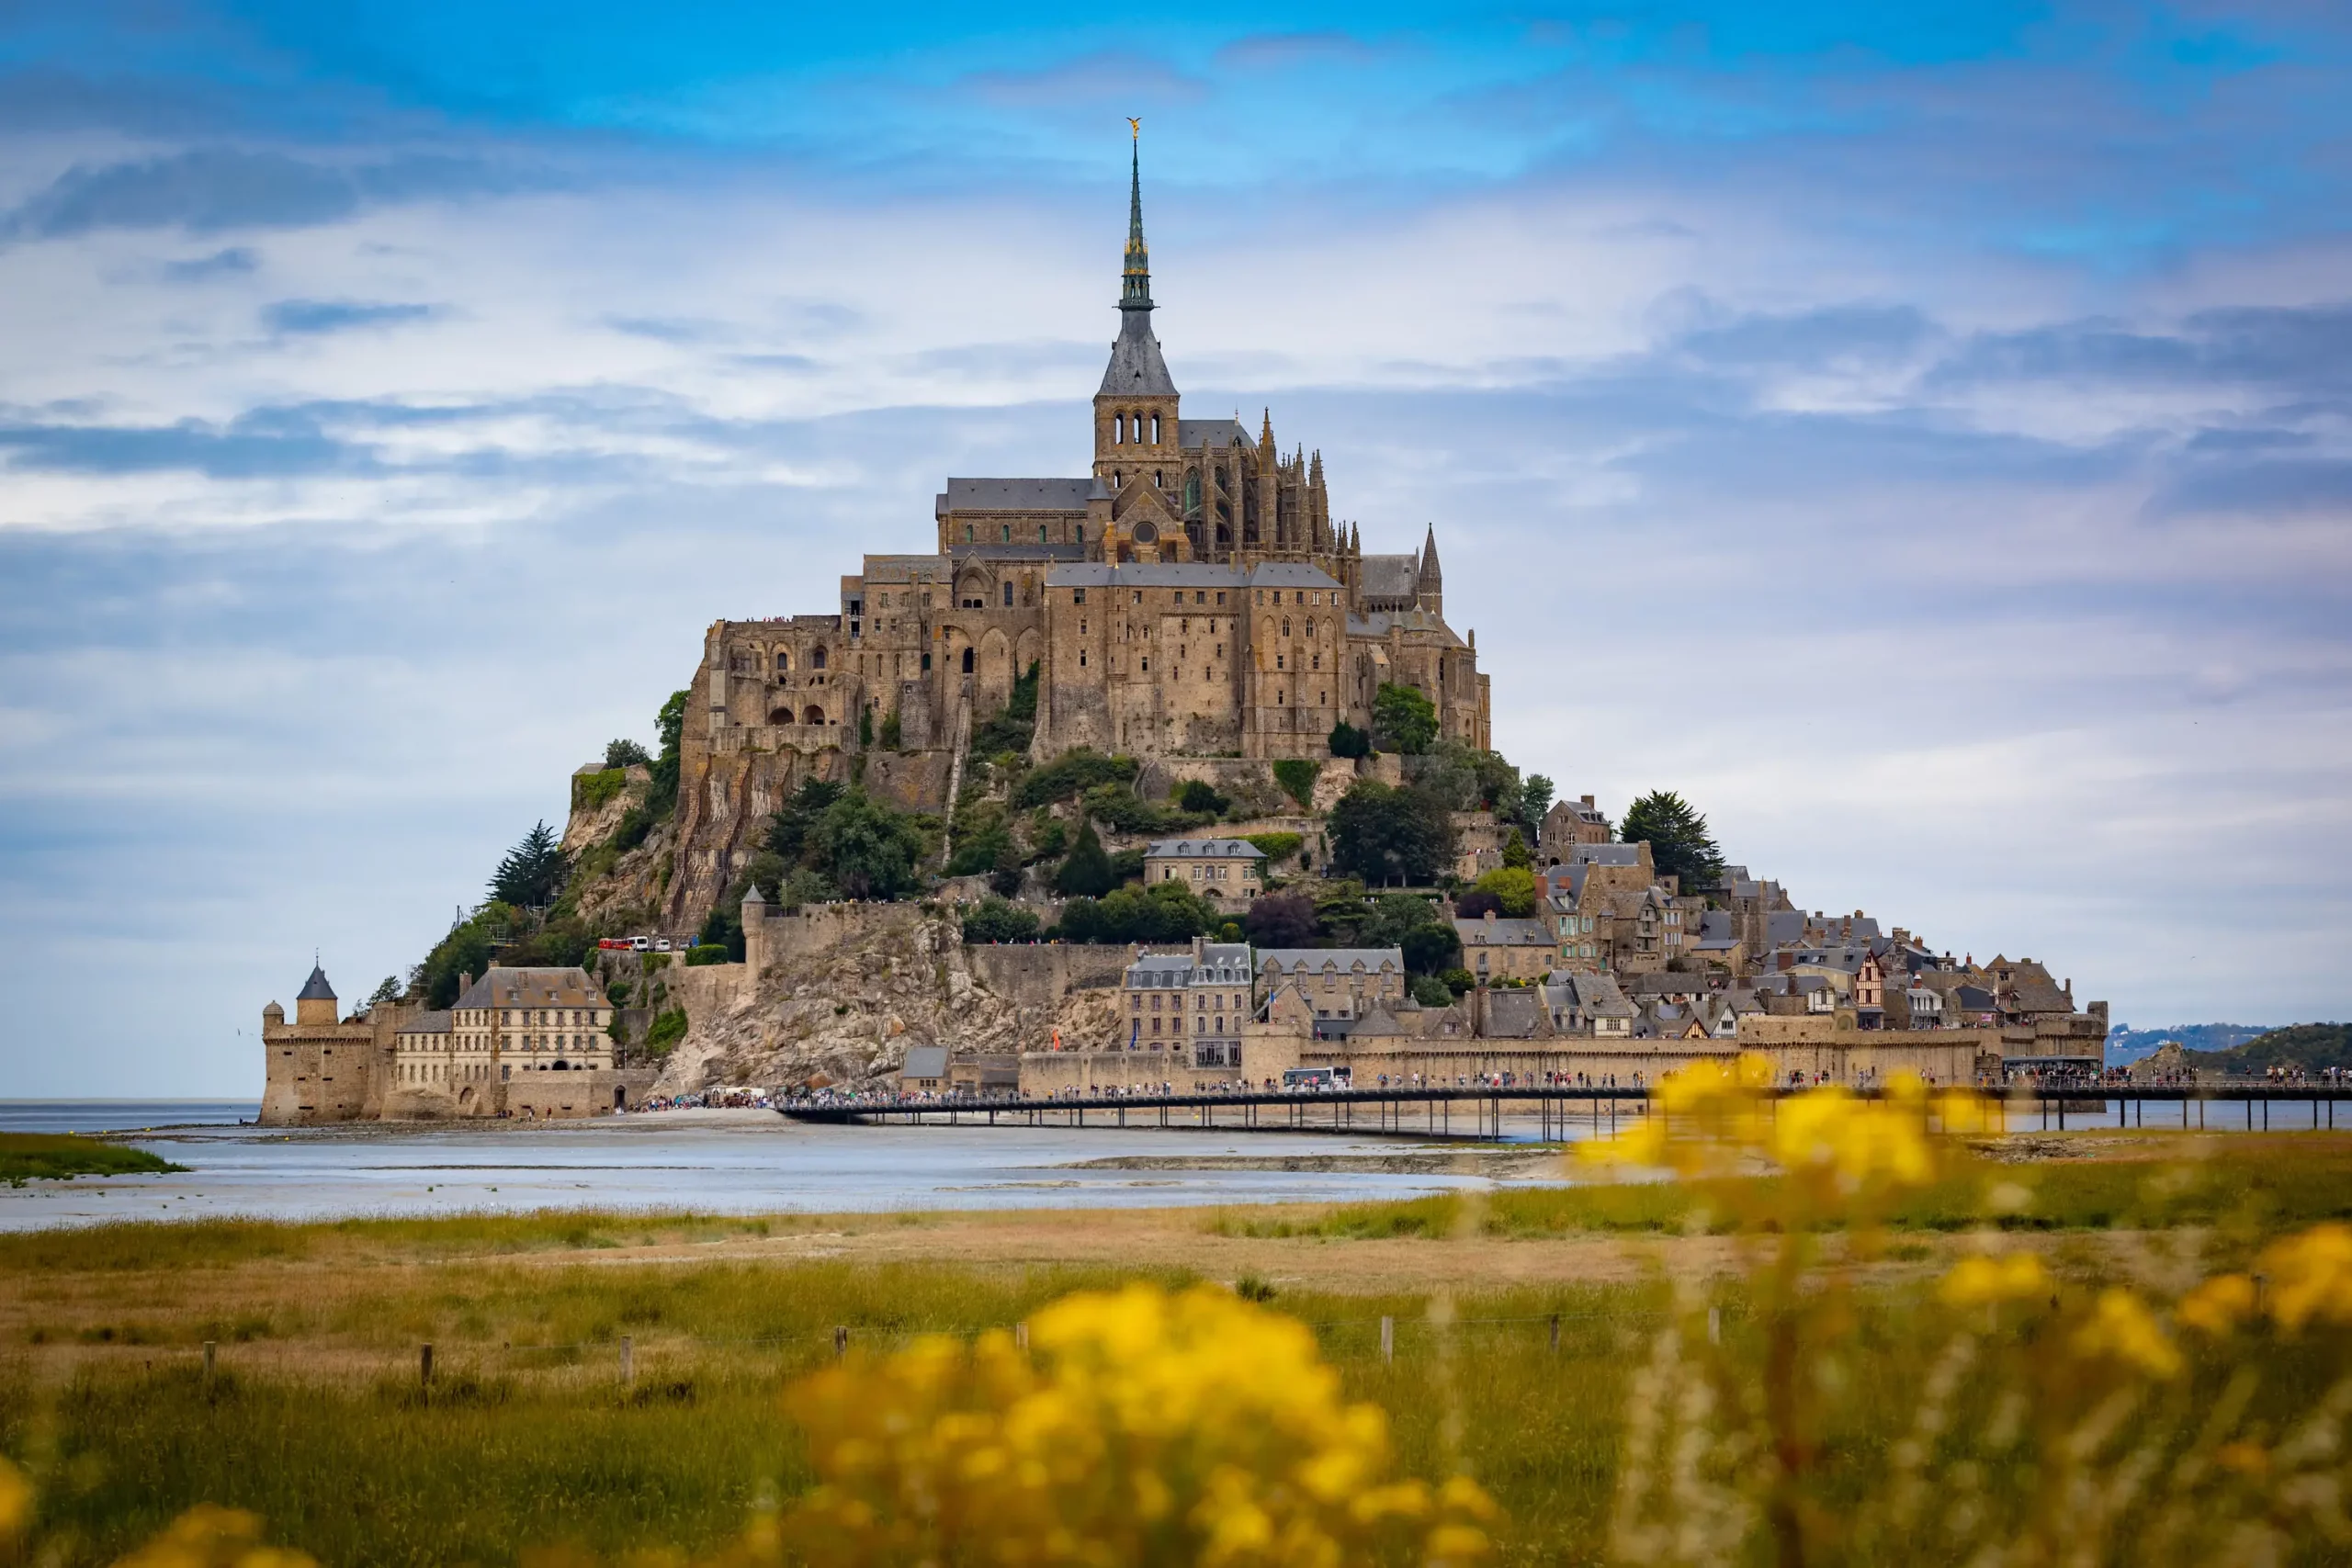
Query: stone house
{"x": 1568, "y": 824}
{"x": 1499, "y": 947}
{"x": 317, "y": 1068}
{"x": 1190, "y": 1004}
{"x": 1332, "y": 986}
{"x": 1589, "y": 1005}
{"x": 924, "y": 1070}
{"x": 1227, "y": 871}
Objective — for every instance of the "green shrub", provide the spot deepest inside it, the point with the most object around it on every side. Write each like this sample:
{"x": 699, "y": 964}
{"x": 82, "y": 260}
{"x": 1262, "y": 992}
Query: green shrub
{"x": 1346, "y": 741}
{"x": 1071, "y": 773}
{"x": 654, "y": 961}
{"x": 1432, "y": 992}
{"x": 591, "y": 791}
{"x": 1122, "y": 811}
{"x": 1458, "y": 980}
{"x": 1197, "y": 795}
{"x": 1403, "y": 719}
{"x": 1298, "y": 776}
{"x": 706, "y": 953}
{"x": 993, "y": 919}
{"x": 1276, "y": 847}
{"x": 893, "y": 733}
{"x": 1168, "y": 912}
{"x": 669, "y": 1028}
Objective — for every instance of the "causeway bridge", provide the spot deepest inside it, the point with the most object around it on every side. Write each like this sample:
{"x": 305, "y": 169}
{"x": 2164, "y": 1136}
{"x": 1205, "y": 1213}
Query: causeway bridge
{"x": 1557, "y": 1111}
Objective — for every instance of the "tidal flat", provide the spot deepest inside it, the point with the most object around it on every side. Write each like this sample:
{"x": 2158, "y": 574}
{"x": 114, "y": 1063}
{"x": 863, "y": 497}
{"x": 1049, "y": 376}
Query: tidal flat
{"x": 1518, "y": 1318}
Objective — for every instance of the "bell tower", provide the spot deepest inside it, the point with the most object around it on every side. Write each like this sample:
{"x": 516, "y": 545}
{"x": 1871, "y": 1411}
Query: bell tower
{"x": 1138, "y": 459}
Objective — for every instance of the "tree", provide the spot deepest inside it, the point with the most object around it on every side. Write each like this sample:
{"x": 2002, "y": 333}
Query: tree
{"x": 1515, "y": 853}
{"x": 1390, "y": 835}
{"x": 1282, "y": 920}
{"x": 624, "y": 754}
{"x": 866, "y": 725}
{"x": 1403, "y": 719}
{"x": 893, "y": 732}
{"x": 1086, "y": 871}
{"x": 1168, "y": 911}
{"x": 670, "y": 725}
{"x": 533, "y": 872}
{"x": 1298, "y": 776}
{"x": 993, "y": 919}
{"x": 1678, "y": 838}
{"x": 1432, "y": 992}
{"x": 1199, "y": 795}
{"x": 788, "y": 828}
{"x": 1346, "y": 741}
{"x": 387, "y": 989}
{"x": 1535, "y": 803}
{"x": 868, "y": 850}
{"x": 1513, "y": 888}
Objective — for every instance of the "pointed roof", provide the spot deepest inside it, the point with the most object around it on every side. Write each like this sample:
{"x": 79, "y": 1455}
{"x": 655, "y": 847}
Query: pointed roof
{"x": 1432, "y": 578}
{"x": 1136, "y": 369}
{"x": 315, "y": 988}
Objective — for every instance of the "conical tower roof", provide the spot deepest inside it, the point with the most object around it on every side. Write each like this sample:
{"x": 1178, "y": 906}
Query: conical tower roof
{"x": 1137, "y": 368}
{"x": 315, "y": 988}
{"x": 1432, "y": 578}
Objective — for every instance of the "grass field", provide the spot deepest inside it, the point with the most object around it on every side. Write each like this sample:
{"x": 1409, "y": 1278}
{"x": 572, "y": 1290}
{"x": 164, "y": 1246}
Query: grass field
{"x": 52, "y": 1157}
{"x": 316, "y": 1416}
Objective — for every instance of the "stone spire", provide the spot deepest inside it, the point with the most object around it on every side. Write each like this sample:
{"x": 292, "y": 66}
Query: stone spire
{"x": 1267, "y": 456}
{"x": 1429, "y": 592}
{"x": 1137, "y": 368}
{"x": 1135, "y": 282}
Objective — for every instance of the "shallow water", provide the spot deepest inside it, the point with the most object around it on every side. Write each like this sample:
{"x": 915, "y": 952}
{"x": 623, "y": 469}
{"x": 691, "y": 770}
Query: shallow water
{"x": 713, "y": 1161}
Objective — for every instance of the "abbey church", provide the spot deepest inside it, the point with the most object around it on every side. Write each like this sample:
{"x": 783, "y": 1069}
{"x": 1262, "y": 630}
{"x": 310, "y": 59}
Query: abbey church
{"x": 1191, "y": 595}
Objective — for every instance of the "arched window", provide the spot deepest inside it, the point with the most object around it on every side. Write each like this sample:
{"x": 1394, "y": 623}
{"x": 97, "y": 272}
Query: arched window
{"x": 1155, "y": 429}
{"x": 817, "y": 659}
{"x": 1135, "y": 428}
{"x": 814, "y": 716}
{"x": 1286, "y": 625}
{"x": 782, "y": 661}
{"x": 1118, "y": 429}
{"x": 1192, "y": 490}
{"x": 968, "y": 662}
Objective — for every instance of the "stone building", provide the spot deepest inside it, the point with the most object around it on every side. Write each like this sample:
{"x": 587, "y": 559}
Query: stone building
{"x": 318, "y": 1068}
{"x": 1566, "y": 825}
{"x": 1229, "y": 870}
{"x": 1329, "y": 989}
{"x": 1191, "y": 1004}
{"x": 1192, "y": 594}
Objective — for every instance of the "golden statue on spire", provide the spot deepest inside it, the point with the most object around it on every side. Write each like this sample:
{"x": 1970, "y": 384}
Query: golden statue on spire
{"x": 1136, "y": 126}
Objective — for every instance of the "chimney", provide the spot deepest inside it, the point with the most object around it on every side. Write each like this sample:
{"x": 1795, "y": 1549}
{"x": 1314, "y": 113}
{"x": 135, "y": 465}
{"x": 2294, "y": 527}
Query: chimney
{"x": 1197, "y": 954}
{"x": 1788, "y": 960}
{"x": 1587, "y": 799}
{"x": 1490, "y": 917}
{"x": 465, "y": 982}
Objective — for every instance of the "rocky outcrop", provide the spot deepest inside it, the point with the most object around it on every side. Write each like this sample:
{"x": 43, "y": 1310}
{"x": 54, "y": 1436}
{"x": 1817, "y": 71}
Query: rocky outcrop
{"x": 850, "y": 987}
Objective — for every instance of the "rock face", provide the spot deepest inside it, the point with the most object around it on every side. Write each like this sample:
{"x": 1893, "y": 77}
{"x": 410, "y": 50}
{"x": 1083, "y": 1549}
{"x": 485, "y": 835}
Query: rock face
{"x": 846, "y": 988}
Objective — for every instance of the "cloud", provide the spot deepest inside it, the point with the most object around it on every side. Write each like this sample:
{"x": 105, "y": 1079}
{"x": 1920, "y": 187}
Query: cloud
{"x": 253, "y": 447}
{"x": 310, "y": 318}
{"x": 219, "y": 264}
{"x": 1812, "y": 339}
{"x": 2303, "y": 349}
{"x": 2260, "y": 489}
{"x": 208, "y": 189}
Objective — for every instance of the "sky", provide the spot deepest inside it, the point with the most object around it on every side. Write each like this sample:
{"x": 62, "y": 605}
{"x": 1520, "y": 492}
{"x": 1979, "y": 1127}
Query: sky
{"x": 1921, "y": 435}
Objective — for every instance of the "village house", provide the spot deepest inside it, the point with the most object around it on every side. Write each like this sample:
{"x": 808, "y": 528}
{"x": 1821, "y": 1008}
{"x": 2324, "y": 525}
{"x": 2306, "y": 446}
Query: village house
{"x": 1499, "y": 947}
{"x": 1227, "y": 871}
{"x": 1335, "y": 986}
{"x": 1190, "y": 1004}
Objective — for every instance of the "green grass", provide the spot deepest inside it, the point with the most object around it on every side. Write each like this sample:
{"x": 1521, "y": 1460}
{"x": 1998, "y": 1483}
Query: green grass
{"x": 2256, "y": 1185}
{"x": 60, "y": 1156}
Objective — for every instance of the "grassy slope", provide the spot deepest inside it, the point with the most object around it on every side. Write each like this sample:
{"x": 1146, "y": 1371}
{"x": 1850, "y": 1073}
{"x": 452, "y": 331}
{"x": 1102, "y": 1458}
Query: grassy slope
{"x": 2308, "y": 1045}
{"x": 527, "y": 1439}
{"x": 61, "y": 1156}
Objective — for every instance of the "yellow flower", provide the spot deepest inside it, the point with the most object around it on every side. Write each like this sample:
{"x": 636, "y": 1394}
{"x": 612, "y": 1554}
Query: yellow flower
{"x": 1146, "y": 1428}
{"x": 2218, "y": 1305}
{"x": 1976, "y": 1281}
{"x": 2310, "y": 1276}
{"x": 2123, "y": 1327}
{"x": 210, "y": 1537}
{"x": 15, "y": 1500}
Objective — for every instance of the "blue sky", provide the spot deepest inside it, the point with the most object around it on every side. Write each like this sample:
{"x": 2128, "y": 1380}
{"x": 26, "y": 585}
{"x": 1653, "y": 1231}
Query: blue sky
{"x": 1921, "y": 434}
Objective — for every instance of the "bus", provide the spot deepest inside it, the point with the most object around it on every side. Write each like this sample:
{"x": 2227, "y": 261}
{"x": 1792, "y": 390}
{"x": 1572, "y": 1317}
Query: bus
{"x": 1342, "y": 1077}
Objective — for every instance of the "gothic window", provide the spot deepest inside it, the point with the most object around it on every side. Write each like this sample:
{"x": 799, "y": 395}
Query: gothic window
{"x": 968, "y": 662}
{"x": 1192, "y": 490}
{"x": 814, "y": 716}
{"x": 926, "y": 663}
{"x": 967, "y": 533}
{"x": 1008, "y": 533}
{"x": 1040, "y": 533}
{"x": 1286, "y": 625}
{"x": 1155, "y": 429}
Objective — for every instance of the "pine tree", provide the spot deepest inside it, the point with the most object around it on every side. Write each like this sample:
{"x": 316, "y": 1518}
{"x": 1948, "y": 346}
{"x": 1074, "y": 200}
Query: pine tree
{"x": 1087, "y": 873}
{"x": 1678, "y": 838}
{"x": 533, "y": 872}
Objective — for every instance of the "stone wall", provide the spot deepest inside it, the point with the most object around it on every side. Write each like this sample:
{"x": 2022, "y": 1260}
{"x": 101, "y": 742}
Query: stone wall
{"x": 1043, "y": 974}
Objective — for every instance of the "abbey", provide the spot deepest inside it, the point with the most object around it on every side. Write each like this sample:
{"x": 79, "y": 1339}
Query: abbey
{"x": 1190, "y": 594}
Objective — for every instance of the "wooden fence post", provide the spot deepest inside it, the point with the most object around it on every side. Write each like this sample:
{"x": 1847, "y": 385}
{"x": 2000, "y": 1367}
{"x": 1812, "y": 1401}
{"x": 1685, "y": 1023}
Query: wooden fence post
{"x": 628, "y": 1361}
{"x": 425, "y": 1364}
{"x": 208, "y": 1362}
{"x": 1556, "y": 1334}
{"x": 841, "y": 1342}
{"x": 1387, "y": 1339}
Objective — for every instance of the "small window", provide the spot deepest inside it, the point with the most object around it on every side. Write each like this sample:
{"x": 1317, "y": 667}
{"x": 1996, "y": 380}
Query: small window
{"x": 968, "y": 662}
{"x": 926, "y": 663}
{"x": 817, "y": 659}
{"x": 1008, "y": 596}
{"x": 1078, "y": 596}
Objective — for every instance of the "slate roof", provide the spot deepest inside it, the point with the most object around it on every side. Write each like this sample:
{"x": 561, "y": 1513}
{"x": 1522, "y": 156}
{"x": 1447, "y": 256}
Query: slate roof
{"x": 1596, "y": 996}
{"x": 1503, "y": 932}
{"x": 315, "y": 988}
{"x": 1315, "y": 960}
{"x": 1222, "y": 964}
{"x": 926, "y": 1062}
{"x": 1018, "y": 495}
{"x": 1388, "y": 576}
{"x": 1291, "y": 574}
{"x": 531, "y": 988}
{"x": 1192, "y": 433}
{"x": 1017, "y": 551}
{"x": 1201, "y": 849}
{"x": 1516, "y": 1013}
{"x": 426, "y": 1023}
{"x": 1136, "y": 369}
{"x": 1604, "y": 854}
